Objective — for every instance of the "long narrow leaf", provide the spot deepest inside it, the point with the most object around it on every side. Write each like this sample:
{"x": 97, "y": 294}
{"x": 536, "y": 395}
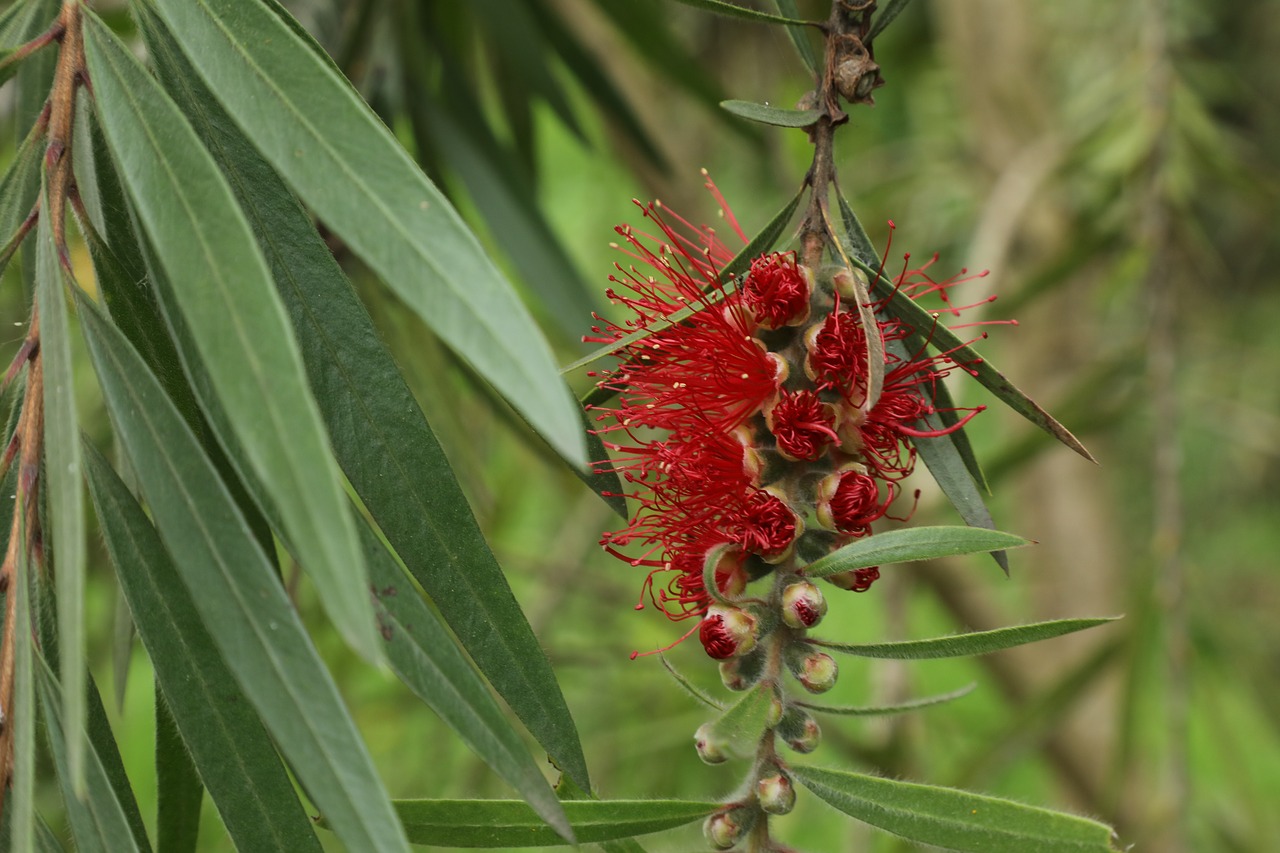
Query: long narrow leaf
{"x": 351, "y": 171}
{"x": 881, "y": 710}
{"x": 799, "y": 35}
{"x": 380, "y": 435}
{"x": 20, "y": 807}
{"x": 425, "y": 658}
{"x": 235, "y": 757}
{"x": 179, "y": 791}
{"x": 239, "y": 597}
{"x": 721, "y": 7}
{"x": 974, "y": 643}
{"x": 954, "y": 820}
{"x": 510, "y": 824}
{"x": 63, "y": 494}
{"x": 776, "y": 116}
{"x": 912, "y": 543}
{"x": 223, "y": 290}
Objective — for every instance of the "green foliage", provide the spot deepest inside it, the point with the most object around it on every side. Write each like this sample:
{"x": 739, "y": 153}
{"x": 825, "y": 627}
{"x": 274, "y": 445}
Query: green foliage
{"x": 912, "y": 543}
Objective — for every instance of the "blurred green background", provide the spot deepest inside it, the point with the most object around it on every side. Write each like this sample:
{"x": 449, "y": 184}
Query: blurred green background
{"x": 1112, "y": 164}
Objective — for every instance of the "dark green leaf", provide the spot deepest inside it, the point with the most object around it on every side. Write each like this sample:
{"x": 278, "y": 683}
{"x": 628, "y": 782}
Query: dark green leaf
{"x": 179, "y": 791}
{"x": 20, "y": 809}
{"x": 954, "y": 820}
{"x": 890, "y": 11}
{"x": 19, "y": 190}
{"x": 63, "y": 495}
{"x": 223, "y": 290}
{"x": 880, "y": 710}
{"x": 912, "y": 543}
{"x": 235, "y": 757}
{"x": 352, "y": 172}
{"x": 98, "y": 821}
{"x": 426, "y": 659}
{"x": 729, "y": 10}
{"x": 379, "y": 434}
{"x": 239, "y": 597}
{"x": 799, "y": 35}
{"x": 776, "y": 116}
{"x": 512, "y": 824}
{"x": 974, "y": 643}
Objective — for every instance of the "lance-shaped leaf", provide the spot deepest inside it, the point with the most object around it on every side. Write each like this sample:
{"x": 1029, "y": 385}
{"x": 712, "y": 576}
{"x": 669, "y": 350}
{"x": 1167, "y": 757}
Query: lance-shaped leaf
{"x": 425, "y": 658}
{"x": 510, "y": 824}
{"x": 722, "y": 7}
{"x": 63, "y": 495}
{"x": 179, "y": 791}
{"x": 98, "y": 821}
{"x": 738, "y": 730}
{"x": 223, "y": 289}
{"x": 344, "y": 163}
{"x": 380, "y": 436}
{"x": 19, "y": 190}
{"x": 799, "y": 35}
{"x": 974, "y": 643}
{"x": 776, "y": 116}
{"x": 954, "y": 820}
{"x": 20, "y": 806}
{"x": 232, "y": 752}
{"x": 912, "y": 543}
{"x": 239, "y": 598}
{"x": 881, "y": 710}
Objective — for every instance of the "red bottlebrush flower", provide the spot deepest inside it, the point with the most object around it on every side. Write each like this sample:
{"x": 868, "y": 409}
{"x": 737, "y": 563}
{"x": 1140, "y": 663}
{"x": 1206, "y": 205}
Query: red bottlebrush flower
{"x": 837, "y": 356}
{"x": 776, "y": 291}
{"x": 727, "y": 632}
{"x": 766, "y": 525}
{"x": 803, "y": 425}
{"x": 849, "y": 501}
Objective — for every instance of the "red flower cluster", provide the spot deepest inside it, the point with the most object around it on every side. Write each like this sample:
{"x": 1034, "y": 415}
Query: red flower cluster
{"x": 738, "y": 417}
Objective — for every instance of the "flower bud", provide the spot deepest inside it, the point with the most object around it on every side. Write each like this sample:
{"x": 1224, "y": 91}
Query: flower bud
{"x": 817, "y": 672}
{"x": 724, "y": 829}
{"x": 843, "y": 282}
{"x": 741, "y": 672}
{"x": 774, "y": 717}
{"x": 727, "y": 632}
{"x": 803, "y": 605}
{"x": 776, "y": 793}
{"x": 711, "y": 747}
{"x": 855, "y": 580}
{"x": 800, "y": 731}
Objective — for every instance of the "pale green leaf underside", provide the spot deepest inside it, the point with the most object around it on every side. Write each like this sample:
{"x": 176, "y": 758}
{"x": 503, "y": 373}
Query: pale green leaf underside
{"x": 974, "y": 643}
{"x": 912, "y": 543}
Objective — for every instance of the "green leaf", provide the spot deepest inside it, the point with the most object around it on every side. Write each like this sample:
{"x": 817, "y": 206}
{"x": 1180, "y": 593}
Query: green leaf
{"x": 974, "y": 643}
{"x": 19, "y": 190}
{"x": 424, "y": 656}
{"x": 98, "y": 821}
{"x": 351, "y": 171}
{"x": 912, "y": 543}
{"x": 223, "y": 290}
{"x": 20, "y": 809}
{"x": 239, "y": 597}
{"x": 380, "y": 435}
{"x": 512, "y": 824}
{"x": 757, "y": 246}
{"x": 179, "y": 791}
{"x": 729, "y": 10}
{"x": 63, "y": 495}
{"x": 231, "y": 750}
{"x": 739, "y": 729}
{"x": 890, "y": 11}
{"x": 689, "y": 687}
{"x": 954, "y": 820}
{"x": 776, "y": 116}
{"x": 880, "y": 710}
{"x": 799, "y": 35}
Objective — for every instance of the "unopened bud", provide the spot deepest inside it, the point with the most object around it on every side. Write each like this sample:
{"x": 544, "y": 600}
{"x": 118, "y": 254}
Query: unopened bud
{"x": 711, "y": 747}
{"x": 727, "y": 632}
{"x": 855, "y": 580}
{"x": 803, "y": 605}
{"x": 817, "y": 673}
{"x": 741, "y": 672}
{"x": 775, "y": 711}
{"x": 800, "y": 731}
{"x": 725, "y": 829}
{"x": 776, "y": 793}
{"x": 844, "y": 283}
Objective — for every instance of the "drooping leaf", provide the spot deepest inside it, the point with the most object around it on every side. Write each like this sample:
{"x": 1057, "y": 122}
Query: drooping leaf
{"x": 912, "y": 543}
{"x": 776, "y": 116}
{"x": 954, "y": 820}
{"x": 508, "y": 824}
{"x": 179, "y": 791}
{"x": 880, "y": 710}
{"x": 885, "y": 17}
{"x": 232, "y": 752}
{"x": 62, "y": 490}
{"x": 239, "y": 598}
{"x": 223, "y": 290}
{"x": 352, "y": 172}
{"x": 729, "y": 10}
{"x": 380, "y": 436}
{"x": 424, "y": 656}
{"x": 973, "y": 643}
{"x": 98, "y": 821}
